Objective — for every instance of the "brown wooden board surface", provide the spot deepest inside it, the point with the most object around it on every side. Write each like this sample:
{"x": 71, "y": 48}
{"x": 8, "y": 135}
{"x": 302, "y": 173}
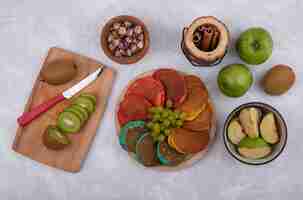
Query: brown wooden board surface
{"x": 28, "y": 140}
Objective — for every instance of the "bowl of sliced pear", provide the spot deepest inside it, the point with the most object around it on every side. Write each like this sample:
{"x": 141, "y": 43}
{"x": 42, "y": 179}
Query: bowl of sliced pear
{"x": 255, "y": 133}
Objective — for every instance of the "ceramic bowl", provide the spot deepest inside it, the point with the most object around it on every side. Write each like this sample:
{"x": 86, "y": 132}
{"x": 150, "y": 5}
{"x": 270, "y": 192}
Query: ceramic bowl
{"x": 124, "y": 60}
{"x": 276, "y": 148}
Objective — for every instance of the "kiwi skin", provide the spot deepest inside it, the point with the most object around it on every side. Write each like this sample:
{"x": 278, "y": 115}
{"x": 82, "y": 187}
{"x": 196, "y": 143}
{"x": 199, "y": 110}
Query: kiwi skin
{"x": 278, "y": 80}
{"x": 59, "y": 72}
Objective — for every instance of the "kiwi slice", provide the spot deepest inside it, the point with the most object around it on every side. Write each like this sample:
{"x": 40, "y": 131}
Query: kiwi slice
{"x": 83, "y": 111}
{"x": 85, "y": 103}
{"x": 68, "y": 122}
{"x": 91, "y": 97}
{"x": 77, "y": 112}
{"x": 54, "y": 139}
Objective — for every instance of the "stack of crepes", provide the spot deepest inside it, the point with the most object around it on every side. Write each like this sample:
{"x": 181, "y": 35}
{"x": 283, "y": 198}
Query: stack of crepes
{"x": 188, "y": 95}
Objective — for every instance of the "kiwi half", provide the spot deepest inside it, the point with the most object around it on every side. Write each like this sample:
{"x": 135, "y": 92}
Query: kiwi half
{"x": 54, "y": 139}
{"x": 59, "y": 72}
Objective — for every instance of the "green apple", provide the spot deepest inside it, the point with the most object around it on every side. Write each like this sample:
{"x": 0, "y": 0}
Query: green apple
{"x": 254, "y": 148}
{"x": 234, "y": 80}
{"x": 255, "y": 46}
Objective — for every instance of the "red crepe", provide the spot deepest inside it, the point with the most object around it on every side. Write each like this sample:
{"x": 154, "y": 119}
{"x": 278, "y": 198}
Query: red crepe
{"x": 133, "y": 107}
{"x": 150, "y": 89}
{"x": 174, "y": 84}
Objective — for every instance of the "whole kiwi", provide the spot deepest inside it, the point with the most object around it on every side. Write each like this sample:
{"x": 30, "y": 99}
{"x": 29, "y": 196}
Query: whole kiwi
{"x": 278, "y": 80}
{"x": 59, "y": 72}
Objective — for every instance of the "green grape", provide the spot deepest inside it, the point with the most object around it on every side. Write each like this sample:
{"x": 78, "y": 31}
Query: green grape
{"x": 167, "y": 132}
{"x": 177, "y": 114}
{"x": 170, "y": 112}
{"x": 179, "y": 123}
{"x": 150, "y": 125}
{"x": 162, "y": 128}
{"x": 169, "y": 103}
{"x": 156, "y": 128}
{"x": 156, "y": 117}
{"x": 166, "y": 123}
{"x": 161, "y": 138}
{"x": 173, "y": 124}
{"x": 154, "y": 134}
{"x": 171, "y": 118}
{"x": 159, "y": 109}
{"x": 165, "y": 114}
{"x": 152, "y": 110}
{"x": 183, "y": 115}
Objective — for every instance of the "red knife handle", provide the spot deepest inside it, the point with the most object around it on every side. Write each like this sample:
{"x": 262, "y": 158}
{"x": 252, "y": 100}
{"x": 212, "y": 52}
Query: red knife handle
{"x": 35, "y": 112}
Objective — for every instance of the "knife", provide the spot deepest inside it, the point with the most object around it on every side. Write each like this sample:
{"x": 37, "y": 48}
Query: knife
{"x": 35, "y": 112}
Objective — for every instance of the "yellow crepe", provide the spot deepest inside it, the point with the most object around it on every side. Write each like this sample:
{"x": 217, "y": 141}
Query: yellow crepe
{"x": 193, "y": 115}
{"x": 172, "y": 144}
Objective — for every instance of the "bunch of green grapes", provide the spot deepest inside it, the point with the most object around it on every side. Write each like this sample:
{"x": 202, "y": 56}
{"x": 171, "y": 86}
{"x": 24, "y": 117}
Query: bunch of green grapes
{"x": 163, "y": 119}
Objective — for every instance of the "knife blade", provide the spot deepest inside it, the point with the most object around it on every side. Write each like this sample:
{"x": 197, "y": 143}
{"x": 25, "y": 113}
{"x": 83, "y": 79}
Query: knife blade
{"x": 35, "y": 112}
{"x": 82, "y": 84}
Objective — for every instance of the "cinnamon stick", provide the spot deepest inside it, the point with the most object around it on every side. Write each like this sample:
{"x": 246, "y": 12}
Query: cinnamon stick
{"x": 215, "y": 40}
{"x": 206, "y": 38}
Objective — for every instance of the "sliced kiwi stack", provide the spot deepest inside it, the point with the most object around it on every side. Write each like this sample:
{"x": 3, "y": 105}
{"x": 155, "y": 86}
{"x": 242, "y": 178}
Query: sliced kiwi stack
{"x": 85, "y": 103}
{"x": 70, "y": 121}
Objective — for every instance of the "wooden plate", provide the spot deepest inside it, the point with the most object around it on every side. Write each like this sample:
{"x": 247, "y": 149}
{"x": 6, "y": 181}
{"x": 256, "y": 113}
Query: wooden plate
{"x": 192, "y": 159}
{"x": 124, "y": 60}
{"x": 28, "y": 140}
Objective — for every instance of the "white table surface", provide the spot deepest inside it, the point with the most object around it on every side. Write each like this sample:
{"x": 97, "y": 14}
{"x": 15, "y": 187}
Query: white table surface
{"x": 28, "y": 28}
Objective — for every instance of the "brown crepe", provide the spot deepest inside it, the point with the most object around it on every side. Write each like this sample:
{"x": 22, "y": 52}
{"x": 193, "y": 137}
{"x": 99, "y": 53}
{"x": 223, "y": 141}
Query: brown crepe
{"x": 174, "y": 85}
{"x": 146, "y": 151}
{"x": 189, "y": 142}
{"x": 132, "y": 137}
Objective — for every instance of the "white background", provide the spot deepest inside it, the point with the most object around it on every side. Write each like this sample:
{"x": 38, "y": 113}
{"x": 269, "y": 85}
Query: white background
{"x": 28, "y": 28}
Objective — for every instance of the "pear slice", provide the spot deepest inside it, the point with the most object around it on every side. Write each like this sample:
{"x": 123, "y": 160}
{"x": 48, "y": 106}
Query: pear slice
{"x": 268, "y": 129}
{"x": 255, "y": 153}
{"x": 234, "y": 132}
{"x": 254, "y": 148}
{"x": 249, "y": 119}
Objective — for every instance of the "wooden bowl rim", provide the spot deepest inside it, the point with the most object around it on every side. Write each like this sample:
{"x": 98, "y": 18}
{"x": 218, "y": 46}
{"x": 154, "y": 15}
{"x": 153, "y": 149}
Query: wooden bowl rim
{"x": 187, "y": 163}
{"x": 124, "y": 60}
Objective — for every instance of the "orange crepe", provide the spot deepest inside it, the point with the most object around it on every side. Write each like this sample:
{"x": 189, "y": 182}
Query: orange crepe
{"x": 197, "y": 97}
{"x": 202, "y": 122}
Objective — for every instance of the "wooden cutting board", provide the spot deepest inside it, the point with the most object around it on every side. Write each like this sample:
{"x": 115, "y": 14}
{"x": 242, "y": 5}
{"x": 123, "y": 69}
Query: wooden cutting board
{"x": 28, "y": 140}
